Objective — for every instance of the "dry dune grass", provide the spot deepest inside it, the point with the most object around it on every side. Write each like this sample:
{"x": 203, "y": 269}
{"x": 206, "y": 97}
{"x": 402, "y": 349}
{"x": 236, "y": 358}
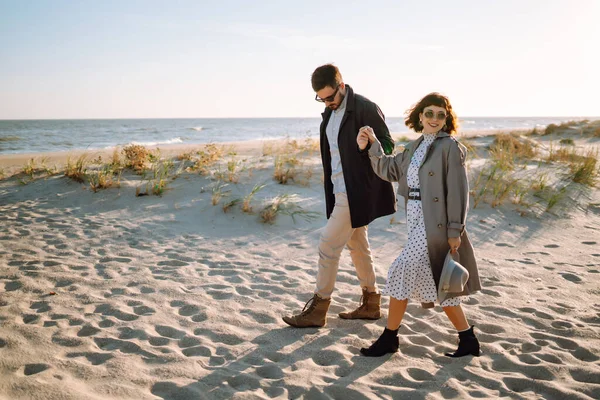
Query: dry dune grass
{"x": 534, "y": 174}
{"x": 521, "y": 169}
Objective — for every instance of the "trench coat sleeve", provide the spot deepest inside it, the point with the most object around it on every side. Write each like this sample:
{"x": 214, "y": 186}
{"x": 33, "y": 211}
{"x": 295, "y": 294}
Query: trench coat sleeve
{"x": 386, "y": 167}
{"x": 457, "y": 197}
{"x": 375, "y": 119}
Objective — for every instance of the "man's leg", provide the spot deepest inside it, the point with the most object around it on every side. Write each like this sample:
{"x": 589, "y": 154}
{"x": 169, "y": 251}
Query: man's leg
{"x": 370, "y": 305}
{"x": 333, "y": 239}
{"x": 360, "y": 252}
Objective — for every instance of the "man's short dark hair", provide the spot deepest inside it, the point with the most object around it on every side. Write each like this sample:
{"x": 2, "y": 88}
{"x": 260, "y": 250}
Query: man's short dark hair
{"x": 326, "y": 75}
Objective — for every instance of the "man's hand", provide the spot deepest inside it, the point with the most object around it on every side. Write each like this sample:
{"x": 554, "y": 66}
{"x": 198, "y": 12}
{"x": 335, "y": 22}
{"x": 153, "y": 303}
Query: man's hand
{"x": 365, "y": 136}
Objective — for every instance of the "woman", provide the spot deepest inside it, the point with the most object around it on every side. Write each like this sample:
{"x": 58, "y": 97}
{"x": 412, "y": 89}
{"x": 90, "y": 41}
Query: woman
{"x": 433, "y": 181}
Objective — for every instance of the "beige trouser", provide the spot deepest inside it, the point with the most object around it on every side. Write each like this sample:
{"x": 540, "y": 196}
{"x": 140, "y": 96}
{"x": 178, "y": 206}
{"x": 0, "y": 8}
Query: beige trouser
{"x": 339, "y": 233}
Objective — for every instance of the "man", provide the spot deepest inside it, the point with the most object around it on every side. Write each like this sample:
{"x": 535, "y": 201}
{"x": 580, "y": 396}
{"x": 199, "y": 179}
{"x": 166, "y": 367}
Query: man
{"x": 354, "y": 196}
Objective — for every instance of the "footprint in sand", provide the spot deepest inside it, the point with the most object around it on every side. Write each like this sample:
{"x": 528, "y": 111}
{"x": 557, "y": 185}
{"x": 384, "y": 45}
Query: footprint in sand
{"x": 158, "y": 341}
{"x": 30, "y": 318}
{"x": 106, "y": 323}
{"x": 107, "y": 309}
{"x": 261, "y": 318}
{"x": 585, "y": 376}
{"x": 189, "y": 341}
{"x": 571, "y": 277}
{"x": 327, "y": 357}
{"x": 527, "y": 261}
{"x": 141, "y": 309}
{"x": 225, "y": 338}
{"x": 127, "y": 333}
{"x": 169, "y": 332}
{"x": 551, "y": 246}
{"x": 147, "y": 289}
{"x": 198, "y": 351}
{"x": 504, "y": 245}
{"x": 63, "y": 283}
{"x": 173, "y": 263}
{"x": 124, "y": 346}
{"x": 185, "y": 309}
{"x": 41, "y": 306}
{"x": 93, "y": 358}
{"x": 116, "y": 259}
{"x": 219, "y": 294}
{"x": 270, "y": 371}
{"x": 12, "y": 286}
{"x": 491, "y": 329}
{"x": 589, "y": 243}
{"x": 88, "y": 330}
{"x": 32, "y": 369}
{"x": 491, "y": 292}
{"x": 562, "y": 325}
{"x": 67, "y": 341}
{"x": 244, "y": 382}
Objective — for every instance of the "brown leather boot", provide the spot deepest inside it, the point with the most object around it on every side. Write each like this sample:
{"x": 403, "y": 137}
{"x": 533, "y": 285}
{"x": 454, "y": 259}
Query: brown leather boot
{"x": 314, "y": 314}
{"x": 369, "y": 307}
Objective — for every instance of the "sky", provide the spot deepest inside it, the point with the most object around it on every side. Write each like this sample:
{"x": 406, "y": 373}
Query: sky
{"x": 204, "y": 59}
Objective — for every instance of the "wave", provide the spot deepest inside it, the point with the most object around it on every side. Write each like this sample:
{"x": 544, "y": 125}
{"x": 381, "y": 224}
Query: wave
{"x": 197, "y": 128}
{"x": 170, "y": 141}
{"x": 10, "y": 139}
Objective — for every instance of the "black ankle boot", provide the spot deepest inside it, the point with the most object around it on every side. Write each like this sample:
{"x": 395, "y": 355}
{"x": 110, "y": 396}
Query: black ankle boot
{"x": 467, "y": 344}
{"x": 387, "y": 343}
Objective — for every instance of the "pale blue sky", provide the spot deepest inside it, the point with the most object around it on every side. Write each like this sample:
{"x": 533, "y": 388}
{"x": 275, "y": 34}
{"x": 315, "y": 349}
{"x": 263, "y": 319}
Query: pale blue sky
{"x": 166, "y": 59}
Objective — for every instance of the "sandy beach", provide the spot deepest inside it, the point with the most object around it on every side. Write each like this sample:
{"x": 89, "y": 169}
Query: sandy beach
{"x": 109, "y": 295}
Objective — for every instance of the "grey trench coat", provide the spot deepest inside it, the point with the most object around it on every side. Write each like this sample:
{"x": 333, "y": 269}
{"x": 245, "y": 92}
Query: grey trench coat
{"x": 444, "y": 196}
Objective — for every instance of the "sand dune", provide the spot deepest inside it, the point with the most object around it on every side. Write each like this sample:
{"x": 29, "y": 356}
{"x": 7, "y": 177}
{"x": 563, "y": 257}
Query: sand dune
{"x": 110, "y": 296}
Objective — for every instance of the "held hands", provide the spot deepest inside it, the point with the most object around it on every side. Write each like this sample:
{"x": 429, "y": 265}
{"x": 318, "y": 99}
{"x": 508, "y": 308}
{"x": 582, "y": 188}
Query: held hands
{"x": 365, "y": 136}
{"x": 454, "y": 244}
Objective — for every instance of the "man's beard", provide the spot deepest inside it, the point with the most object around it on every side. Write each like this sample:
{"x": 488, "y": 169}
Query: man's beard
{"x": 331, "y": 106}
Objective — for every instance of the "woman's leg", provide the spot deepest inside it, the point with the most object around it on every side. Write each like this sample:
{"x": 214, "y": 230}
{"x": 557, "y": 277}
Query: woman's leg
{"x": 396, "y": 313}
{"x": 388, "y": 342}
{"x": 467, "y": 341}
{"x": 456, "y": 315}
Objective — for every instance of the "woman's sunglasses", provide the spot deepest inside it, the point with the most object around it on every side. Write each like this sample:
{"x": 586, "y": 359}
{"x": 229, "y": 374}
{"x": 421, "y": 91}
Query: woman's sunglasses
{"x": 430, "y": 114}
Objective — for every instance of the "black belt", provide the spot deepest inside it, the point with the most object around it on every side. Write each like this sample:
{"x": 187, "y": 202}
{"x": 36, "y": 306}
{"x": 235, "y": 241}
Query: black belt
{"x": 414, "y": 194}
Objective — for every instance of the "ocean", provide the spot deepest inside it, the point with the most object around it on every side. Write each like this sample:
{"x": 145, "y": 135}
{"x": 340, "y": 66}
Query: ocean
{"x": 36, "y": 136}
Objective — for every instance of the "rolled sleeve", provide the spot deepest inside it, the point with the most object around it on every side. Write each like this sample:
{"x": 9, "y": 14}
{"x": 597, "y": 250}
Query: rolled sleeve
{"x": 386, "y": 167}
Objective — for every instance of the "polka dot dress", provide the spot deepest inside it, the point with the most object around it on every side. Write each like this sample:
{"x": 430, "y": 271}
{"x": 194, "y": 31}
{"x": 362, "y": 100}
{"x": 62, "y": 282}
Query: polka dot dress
{"x": 410, "y": 274}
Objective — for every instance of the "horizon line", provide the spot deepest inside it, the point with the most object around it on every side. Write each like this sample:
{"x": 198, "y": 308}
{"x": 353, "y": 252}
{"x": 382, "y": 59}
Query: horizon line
{"x": 313, "y": 117}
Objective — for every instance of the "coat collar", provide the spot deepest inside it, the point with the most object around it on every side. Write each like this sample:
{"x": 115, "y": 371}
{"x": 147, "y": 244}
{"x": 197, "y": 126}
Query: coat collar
{"x": 412, "y": 146}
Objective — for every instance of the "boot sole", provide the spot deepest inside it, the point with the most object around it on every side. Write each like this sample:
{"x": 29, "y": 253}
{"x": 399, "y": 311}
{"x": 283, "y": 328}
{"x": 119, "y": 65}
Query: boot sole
{"x": 302, "y": 326}
{"x": 477, "y": 354}
{"x": 366, "y": 318}
{"x": 378, "y": 355}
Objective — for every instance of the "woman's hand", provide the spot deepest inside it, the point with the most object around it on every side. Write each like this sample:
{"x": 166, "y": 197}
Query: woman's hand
{"x": 454, "y": 244}
{"x": 365, "y": 136}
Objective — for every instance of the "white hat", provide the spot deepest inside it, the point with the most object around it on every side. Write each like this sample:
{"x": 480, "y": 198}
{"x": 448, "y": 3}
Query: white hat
{"x": 453, "y": 279}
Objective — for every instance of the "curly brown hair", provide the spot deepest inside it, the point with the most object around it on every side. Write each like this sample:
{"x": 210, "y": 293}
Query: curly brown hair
{"x": 412, "y": 119}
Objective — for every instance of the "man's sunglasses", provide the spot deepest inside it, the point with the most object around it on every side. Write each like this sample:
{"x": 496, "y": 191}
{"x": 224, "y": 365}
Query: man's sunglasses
{"x": 328, "y": 99}
{"x": 430, "y": 114}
